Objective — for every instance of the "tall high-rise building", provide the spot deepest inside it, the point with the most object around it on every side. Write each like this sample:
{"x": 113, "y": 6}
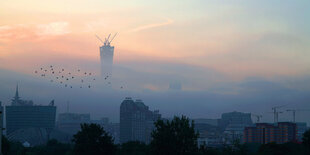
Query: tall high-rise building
{"x": 235, "y": 118}
{"x": 136, "y": 121}
{"x": 106, "y": 56}
{"x": 24, "y": 114}
{"x": 233, "y": 124}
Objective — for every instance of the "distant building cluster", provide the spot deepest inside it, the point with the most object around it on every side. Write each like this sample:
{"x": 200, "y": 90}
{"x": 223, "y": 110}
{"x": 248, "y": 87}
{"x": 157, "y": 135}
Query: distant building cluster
{"x": 33, "y": 124}
{"x": 217, "y": 132}
{"x": 70, "y": 123}
{"x": 234, "y": 126}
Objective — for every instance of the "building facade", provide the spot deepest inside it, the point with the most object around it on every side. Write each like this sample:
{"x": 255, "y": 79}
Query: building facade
{"x": 264, "y": 133}
{"x": 106, "y": 57}
{"x": 301, "y": 129}
{"x": 136, "y": 121}
{"x": 231, "y": 119}
{"x": 70, "y": 123}
{"x": 232, "y": 124}
{"x": 24, "y": 114}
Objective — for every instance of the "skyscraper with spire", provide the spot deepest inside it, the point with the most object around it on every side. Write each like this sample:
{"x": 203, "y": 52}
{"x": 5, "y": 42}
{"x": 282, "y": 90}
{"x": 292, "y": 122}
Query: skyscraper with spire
{"x": 106, "y": 56}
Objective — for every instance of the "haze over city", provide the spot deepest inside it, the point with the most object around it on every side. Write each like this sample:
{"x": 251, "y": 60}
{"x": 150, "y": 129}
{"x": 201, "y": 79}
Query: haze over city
{"x": 200, "y": 58}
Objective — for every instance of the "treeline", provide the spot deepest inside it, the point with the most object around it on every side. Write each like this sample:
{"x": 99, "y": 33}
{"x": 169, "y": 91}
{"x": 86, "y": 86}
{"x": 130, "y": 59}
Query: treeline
{"x": 175, "y": 137}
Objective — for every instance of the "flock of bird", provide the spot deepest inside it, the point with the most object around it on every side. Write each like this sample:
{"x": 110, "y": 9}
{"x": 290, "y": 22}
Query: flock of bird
{"x": 69, "y": 78}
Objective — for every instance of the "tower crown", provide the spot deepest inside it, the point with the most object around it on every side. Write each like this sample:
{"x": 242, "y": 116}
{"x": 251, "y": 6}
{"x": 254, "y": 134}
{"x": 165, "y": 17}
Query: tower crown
{"x": 16, "y": 97}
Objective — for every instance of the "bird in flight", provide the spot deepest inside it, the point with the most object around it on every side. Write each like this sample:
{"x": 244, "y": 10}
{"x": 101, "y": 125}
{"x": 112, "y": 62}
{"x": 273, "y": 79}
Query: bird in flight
{"x": 60, "y": 76}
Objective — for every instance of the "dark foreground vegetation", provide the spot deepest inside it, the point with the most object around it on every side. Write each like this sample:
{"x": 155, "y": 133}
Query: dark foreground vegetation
{"x": 176, "y": 137}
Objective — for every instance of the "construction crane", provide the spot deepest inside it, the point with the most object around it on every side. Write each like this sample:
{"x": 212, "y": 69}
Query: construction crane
{"x": 107, "y": 41}
{"x": 112, "y": 38}
{"x": 100, "y": 39}
{"x": 258, "y": 117}
{"x": 276, "y": 113}
{"x": 294, "y": 112}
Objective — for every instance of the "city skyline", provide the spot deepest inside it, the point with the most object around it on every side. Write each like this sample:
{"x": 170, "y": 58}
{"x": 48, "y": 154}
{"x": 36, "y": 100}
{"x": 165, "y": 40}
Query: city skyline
{"x": 217, "y": 56}
{"x": 154, "y": 77}
{"x": 285, "y": 113}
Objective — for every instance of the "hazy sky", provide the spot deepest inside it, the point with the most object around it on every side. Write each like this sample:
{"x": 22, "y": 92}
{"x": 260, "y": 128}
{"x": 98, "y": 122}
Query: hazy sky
{"x": 209, "y": 46}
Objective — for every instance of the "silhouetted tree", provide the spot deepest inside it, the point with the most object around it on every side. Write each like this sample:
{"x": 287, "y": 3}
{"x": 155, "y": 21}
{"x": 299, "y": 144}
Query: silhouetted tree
{"x": 5, "y": 145}
{"x": 236, "y": 149}
{"x": 272, "y": 149}
{"x": 134, "y": 148}
{"x": 93, "y": 140}
{"x": 15, "y": 148}
{"x": 306, "y": 139}
{"x": 289, "y": 148}
{"x": 52, "y": 147}
{"x": 174, "y": 137}
{"x": 204, "y": 150}
{"x": 251, "y": 148}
